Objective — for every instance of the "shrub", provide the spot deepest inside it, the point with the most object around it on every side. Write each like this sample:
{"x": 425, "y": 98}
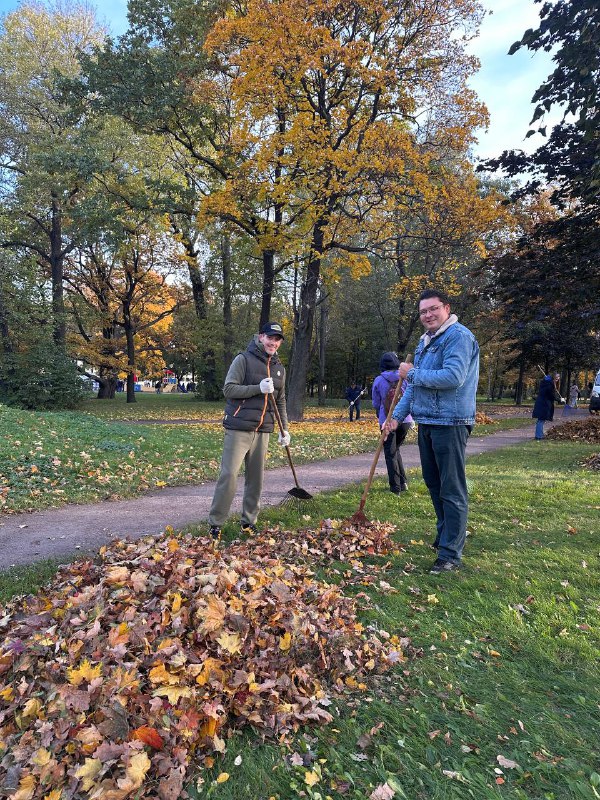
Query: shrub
{"x": 40, "y": 378}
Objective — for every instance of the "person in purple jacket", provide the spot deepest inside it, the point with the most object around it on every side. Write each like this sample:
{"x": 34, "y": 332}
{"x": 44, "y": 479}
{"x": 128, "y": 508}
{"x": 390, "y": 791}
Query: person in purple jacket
{"x": 381, "y": 394}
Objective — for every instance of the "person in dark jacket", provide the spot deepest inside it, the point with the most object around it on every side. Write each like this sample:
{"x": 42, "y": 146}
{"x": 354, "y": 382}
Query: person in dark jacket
{"x": 543, "y": 409}
{"x": 383, "y": 385}
{"x": 353, "y": 395}
{"x": 248, "y": 421}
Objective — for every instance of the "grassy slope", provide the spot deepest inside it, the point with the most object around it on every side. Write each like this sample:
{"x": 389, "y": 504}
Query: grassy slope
{"x": 510, "y": 648}
{"x": 48, "y": 459}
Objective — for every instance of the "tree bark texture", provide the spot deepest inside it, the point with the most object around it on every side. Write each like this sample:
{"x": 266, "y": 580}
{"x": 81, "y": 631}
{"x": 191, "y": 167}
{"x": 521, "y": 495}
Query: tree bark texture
{"x": 56, "y": 270}
{"x": 303, "y": 330}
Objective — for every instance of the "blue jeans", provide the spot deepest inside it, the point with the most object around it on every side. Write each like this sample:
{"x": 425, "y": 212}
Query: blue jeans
{"x": 442, "y": 450}
{"x": 539, "y": 429}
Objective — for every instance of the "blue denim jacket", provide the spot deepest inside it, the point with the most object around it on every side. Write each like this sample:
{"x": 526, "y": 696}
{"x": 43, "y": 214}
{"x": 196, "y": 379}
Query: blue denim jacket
{"x": 443, "y": 383}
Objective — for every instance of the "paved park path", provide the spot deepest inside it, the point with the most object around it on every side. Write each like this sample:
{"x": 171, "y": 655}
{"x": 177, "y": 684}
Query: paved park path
{"x": 72, "y": 530}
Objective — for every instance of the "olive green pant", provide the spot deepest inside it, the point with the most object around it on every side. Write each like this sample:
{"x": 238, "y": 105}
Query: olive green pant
{"x": 240, "y": 446}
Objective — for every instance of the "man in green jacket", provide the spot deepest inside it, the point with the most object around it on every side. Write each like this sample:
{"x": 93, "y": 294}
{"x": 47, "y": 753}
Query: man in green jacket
{"x": 248, "y": 421}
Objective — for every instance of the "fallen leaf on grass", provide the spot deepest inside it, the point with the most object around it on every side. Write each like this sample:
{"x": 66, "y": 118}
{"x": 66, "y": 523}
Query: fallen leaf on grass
{"x": 383, "y": 792}
{"x": 311, "y": 778}
{"x": 506, "y": 762}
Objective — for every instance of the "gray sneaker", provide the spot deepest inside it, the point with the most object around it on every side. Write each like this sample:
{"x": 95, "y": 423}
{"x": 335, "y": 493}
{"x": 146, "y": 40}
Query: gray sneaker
{"x": 439, "y": 566}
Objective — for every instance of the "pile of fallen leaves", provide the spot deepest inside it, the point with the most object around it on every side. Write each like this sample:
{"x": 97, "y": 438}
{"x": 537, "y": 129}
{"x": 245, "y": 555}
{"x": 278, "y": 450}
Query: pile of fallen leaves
{"x": 482, "y": 419}
{"x": 593, "y": 462}
{"x": 582, "y": 430}
{"x": 119, "y": 672}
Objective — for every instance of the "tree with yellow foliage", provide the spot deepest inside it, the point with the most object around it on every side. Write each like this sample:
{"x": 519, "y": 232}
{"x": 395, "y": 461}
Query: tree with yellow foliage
{"x": 341, "y": 109}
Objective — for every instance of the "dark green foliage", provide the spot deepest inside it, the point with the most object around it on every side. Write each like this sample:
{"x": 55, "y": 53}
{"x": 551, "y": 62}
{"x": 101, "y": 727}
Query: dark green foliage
{"x": 41, "y": 377}
{"x": 550, "y": 284}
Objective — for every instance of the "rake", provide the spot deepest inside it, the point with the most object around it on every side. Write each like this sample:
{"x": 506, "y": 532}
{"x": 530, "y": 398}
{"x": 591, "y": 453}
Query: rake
{"x": 296, "y": 492}
{"x": 359, "y": 518}
{"x": 565, "y": 413}
{"x": 353, "y": 402}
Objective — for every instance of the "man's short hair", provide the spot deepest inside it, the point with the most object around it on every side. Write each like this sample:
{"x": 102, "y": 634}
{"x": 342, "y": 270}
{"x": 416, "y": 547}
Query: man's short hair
{"x": 429, "y": 293}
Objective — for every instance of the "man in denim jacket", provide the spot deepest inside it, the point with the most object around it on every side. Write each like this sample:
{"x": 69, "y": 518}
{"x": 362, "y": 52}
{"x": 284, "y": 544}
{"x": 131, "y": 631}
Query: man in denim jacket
{"x": 440, "y": 396}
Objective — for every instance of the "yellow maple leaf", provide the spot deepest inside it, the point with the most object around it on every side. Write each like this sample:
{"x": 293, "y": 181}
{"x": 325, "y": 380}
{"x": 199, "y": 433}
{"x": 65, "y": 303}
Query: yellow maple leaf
{"x": 55, "y": 794}
{"x": 159, "y": 674}
{"x": 32, "y": 708}
{"x": 176, "y": 604}
{"x": 85, "y": 672}
{"x": 213, "y": 615}
{"x": 41, "y": 757}
{"x": 230, "y": 642}
{"x": 209, "y": 727}
{"x": 26, "y": 788}
{"x": 211, "y": 667}
{"x": 285, "y": 641}
{"x": 224, "y": 776}
{"x": 88, "y": 772}
{"x": 310, "y": 778}
{"x": 137, "y": 768}
{"x": 7, "y": 694}
{"x": 172, "y": 693}
{"x": 116, "y": 575}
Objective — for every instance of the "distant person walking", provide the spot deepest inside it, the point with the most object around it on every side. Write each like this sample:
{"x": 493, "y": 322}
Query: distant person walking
{"x": 573, "y": 395}
{"x": 543, "y": 409}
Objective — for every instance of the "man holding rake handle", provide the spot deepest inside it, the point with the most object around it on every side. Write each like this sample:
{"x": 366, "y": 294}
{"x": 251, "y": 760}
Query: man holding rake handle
{"x": 248, "y": 420}
{"x": 440, "y": 396}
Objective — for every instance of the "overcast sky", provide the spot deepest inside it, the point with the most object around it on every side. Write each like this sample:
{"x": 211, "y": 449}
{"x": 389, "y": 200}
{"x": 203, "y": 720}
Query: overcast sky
{"x": 505, "y": 83}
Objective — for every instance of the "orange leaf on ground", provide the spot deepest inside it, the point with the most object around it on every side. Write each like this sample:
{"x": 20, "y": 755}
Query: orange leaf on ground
{"x": 149, "y": 736}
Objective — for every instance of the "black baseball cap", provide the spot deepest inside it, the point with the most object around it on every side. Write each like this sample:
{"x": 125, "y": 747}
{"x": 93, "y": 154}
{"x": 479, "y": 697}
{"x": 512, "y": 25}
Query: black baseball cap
{"x": 272, "y": 329}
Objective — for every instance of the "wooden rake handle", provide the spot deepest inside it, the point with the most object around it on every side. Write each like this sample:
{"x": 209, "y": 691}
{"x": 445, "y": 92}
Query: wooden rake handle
{"x": 281, "y": 428}
{"x": 382, "y": 439}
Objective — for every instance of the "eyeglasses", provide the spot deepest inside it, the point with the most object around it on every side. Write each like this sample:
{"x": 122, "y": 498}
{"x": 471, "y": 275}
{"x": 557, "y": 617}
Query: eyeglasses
{"x": 430, "y": 310}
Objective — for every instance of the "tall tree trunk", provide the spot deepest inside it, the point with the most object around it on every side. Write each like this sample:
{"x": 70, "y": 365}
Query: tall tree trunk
{"x": 304, "y": 327}
{"x": 197, "y": 282}
{"x": 56, "y": 273}
{"x": 228, "y": 337}
{"x": 192, "y": 254}
{"x": 107, "y": 386}
{"x": 324, "y": 308}
{"x": 268, "y": 282}
{"x": 269, "y": 271}
{"x": 7, "y": 347}
{"x": 129, "y": 338}
{"x": 519, "y": 389}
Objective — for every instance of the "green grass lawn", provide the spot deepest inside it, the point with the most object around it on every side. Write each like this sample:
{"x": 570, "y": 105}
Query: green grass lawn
{"x": 504, "y": 699}
{"x": 49, "y": 459}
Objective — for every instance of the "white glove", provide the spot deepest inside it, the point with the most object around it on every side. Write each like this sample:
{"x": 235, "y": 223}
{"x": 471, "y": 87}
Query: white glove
{"x": 266, "y": 386}
{"x": 284, "y": 439}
